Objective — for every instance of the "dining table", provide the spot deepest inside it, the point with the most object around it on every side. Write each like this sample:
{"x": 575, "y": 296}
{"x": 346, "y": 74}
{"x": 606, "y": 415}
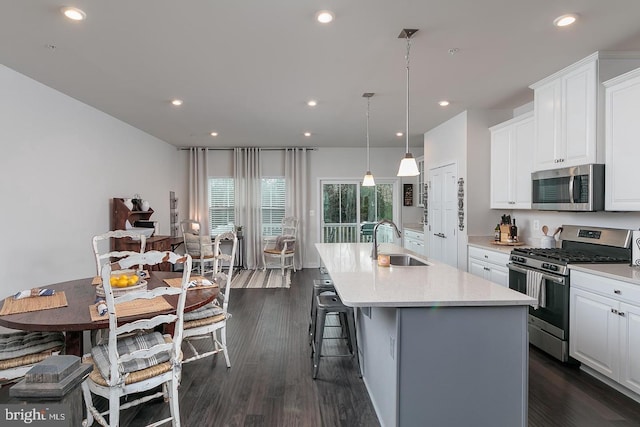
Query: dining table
{"x": 75, "y": 318}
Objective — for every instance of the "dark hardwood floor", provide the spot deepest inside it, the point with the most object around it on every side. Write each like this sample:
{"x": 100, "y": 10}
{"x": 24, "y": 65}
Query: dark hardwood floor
{"x": 269, "y": 383}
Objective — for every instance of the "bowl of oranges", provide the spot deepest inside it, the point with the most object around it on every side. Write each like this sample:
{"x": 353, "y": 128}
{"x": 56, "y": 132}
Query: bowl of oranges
{"x": 123, "y": 281}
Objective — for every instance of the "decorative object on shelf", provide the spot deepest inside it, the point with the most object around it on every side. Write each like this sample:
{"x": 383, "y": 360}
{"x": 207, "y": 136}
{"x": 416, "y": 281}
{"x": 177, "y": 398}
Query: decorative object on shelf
{"x": 408, "y": 194}
{"x": 137, "y": 202}
{"x": 129, "y": 204}
{"x": 238, "y": 230}
{"x": 144, "y": 206}
{"x": 461, "y": 204}
{"x": 368, "y": 180}
{"x": 173, "y": 214}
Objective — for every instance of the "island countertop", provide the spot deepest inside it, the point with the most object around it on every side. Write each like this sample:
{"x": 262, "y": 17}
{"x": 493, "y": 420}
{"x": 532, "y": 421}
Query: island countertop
{"x": 360, "y": 282}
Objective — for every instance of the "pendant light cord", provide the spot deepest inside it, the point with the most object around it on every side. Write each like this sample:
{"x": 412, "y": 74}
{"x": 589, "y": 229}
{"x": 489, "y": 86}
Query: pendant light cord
{"x": 368, "y": 103}
{"x": 407, "y": 124}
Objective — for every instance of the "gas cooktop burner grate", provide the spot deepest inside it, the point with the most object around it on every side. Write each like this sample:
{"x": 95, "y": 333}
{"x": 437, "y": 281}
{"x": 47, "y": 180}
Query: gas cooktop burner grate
{"x": 568, "y": 256}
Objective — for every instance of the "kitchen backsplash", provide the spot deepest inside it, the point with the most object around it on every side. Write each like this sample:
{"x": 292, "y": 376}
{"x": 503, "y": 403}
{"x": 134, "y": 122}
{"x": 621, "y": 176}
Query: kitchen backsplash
{"x": 525, "y": 218}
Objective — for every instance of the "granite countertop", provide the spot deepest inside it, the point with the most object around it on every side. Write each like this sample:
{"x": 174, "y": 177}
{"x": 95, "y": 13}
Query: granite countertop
{"x": 414, "y": 226}
{"x": 486, "y": 242}
{"x": 360, "y": 282}
{"x": 623, "y": 272}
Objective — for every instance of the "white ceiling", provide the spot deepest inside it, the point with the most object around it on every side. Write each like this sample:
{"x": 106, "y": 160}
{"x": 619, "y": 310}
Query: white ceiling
{"x": 246, "y": 68}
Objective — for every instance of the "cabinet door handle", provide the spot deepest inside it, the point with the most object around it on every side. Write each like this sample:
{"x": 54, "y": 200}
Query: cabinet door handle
{"x": 621, "y": 313}
{"x": 486, "y": 256}
{"x": 617, "y": 291}
{"x": 614, "y": 311}
{"x": 487, "y": 269}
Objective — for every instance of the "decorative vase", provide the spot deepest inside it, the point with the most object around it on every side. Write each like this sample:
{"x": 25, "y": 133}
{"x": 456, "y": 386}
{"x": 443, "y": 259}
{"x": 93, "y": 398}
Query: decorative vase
{"x": 128, "y": 203}
{"x": 144, "y": 206}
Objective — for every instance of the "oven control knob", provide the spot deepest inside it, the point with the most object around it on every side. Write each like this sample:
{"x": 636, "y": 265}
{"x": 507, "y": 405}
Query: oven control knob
{"x": 522, "y": 260}
{"x": 553, "y": 267}
{"x": 545, "y": 265}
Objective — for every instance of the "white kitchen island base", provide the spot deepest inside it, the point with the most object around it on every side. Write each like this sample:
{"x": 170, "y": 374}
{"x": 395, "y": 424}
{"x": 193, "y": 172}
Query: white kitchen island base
{"x": 438, "y": 346}
{"x": 446, "y": 366}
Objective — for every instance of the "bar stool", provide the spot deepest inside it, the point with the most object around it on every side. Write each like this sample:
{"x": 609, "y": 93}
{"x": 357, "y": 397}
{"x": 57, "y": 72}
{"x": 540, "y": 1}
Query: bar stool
{"x": 319, "y": 286}
{"x": 326, "y": 304}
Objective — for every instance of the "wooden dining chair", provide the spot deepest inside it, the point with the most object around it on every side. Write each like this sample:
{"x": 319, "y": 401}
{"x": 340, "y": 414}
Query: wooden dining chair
{"x": 136, "y": 357}
{"x": 199, "y": 246}
{"x": 103, "y": 255}
{"x": 282, "y": 248}
{"x": 205, "y": 322}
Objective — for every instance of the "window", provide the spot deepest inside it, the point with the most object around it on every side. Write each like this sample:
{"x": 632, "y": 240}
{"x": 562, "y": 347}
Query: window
{"x": 221, "y": 205}
{"x": 273, "y": 195}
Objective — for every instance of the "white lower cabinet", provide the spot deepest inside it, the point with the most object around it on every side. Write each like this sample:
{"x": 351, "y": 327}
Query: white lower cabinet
{"x": 604, "y": 320}
{"x": 414, "y": 241}
{"x": 491, "y": 265}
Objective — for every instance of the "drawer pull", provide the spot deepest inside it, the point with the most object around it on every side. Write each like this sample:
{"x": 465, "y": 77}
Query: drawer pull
{"x": 621, "y": 313}
{"x": 614, "y": 311}
{"x": 617, "y": 291}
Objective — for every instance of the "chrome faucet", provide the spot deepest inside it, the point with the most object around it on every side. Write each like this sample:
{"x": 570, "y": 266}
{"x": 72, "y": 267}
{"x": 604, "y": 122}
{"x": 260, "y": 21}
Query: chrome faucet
{"x": 374, "y": 250}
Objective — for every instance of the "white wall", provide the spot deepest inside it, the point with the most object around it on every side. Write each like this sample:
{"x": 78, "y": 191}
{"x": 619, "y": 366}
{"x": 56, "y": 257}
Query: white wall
{"x": 465, "y": 140}
{"x": 62, "y": 162}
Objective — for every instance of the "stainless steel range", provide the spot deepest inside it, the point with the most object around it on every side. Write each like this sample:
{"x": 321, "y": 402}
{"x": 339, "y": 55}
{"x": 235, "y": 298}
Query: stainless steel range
{"x": 549, "y": 325}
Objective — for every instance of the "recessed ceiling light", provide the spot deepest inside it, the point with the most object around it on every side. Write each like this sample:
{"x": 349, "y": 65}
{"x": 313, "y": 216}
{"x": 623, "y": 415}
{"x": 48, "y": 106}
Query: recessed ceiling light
{"x": 564, "y": 20}
{"x": 325, "y": 16}
{"x": 443, "y": 103}
{"x": 74, "y": 13}
{"x": 399, "y": 133}
{"x": 214, "y": 133}
{"x": 307, "y": 134}
{"x": 177, "y": 102}
{"x": 312, "y": 103}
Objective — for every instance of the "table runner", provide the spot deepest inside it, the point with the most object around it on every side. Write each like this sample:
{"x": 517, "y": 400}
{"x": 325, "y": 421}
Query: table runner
{"x": 25, "y": 305}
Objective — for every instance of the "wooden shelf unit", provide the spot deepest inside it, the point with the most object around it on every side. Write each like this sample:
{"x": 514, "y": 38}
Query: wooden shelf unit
{"x": 120, "y": 215}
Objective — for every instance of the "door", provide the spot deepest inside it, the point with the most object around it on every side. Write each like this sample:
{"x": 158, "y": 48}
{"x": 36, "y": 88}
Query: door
{"x": 594, "y": 331}
{"x": 350, "y": 210}
{"x": 443, "y": 214}
{"x": 630, "y": 346}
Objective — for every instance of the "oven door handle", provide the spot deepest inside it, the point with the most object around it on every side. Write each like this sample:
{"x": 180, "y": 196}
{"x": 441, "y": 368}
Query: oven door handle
{"x": 555, "y": 279}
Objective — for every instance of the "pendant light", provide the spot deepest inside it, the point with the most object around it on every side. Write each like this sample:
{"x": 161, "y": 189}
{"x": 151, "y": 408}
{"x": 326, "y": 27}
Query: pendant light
{"x": 368, "y": 180}
{"x": 408, "y": 165}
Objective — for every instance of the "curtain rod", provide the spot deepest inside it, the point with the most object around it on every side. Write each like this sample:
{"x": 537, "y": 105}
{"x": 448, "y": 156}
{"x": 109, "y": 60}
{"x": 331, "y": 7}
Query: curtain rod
{"x": 232, "y": 148}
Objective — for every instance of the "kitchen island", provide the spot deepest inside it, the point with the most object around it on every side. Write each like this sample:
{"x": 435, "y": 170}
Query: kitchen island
{"x": 437, "y": 346}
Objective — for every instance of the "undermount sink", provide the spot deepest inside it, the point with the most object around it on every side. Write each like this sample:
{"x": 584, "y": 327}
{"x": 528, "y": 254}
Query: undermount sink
{"x": 406, "y": 260}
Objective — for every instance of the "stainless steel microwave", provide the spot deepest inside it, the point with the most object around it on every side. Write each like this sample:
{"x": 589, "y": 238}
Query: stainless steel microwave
{"x": 577, "y": 189}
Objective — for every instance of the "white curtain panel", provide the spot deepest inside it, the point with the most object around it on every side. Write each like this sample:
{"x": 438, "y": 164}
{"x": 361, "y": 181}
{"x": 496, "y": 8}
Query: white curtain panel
{"x": 247, "y": 176}
{"x": 296, "y": 202}
{"x": 199, "y": 187}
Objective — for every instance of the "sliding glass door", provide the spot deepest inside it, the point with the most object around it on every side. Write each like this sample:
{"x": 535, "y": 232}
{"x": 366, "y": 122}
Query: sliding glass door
{"x": 349, "y": 211}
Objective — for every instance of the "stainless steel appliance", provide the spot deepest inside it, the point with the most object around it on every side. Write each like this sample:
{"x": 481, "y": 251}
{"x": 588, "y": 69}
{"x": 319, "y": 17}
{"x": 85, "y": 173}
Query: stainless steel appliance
{"x": 578, "y": 188}
{"x": 549, "y": 325}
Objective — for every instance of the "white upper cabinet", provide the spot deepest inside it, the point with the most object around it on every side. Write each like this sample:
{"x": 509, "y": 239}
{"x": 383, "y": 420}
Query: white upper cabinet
{"x": 565, "y": 117}
{"x": 569, "y": 110}
{"x": 512, "y": 162}
{"x": 622, "y": 127}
